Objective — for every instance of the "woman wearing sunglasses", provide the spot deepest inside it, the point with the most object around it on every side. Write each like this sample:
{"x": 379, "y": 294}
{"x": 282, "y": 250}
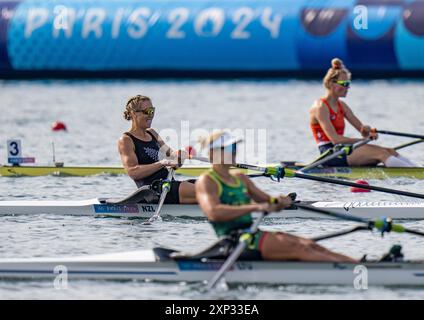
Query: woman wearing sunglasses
{"x": 141, "y": 149}
{"x": 327, "y": 120}
{"x": 228, "y": 201}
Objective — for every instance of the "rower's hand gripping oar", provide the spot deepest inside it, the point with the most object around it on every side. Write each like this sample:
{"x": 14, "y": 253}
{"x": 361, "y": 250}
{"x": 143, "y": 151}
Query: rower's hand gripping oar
{"x": 244, "y": 241}
{"x": 166, "y": 187}
{"x": 383, "y": 225}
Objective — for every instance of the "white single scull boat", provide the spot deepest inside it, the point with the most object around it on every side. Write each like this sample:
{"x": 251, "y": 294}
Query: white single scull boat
{"x": 101, "y": 208}
{"x": 158, "y": 266}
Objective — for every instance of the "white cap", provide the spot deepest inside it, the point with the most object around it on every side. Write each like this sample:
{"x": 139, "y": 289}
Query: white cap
{"x": 224, "y": 140}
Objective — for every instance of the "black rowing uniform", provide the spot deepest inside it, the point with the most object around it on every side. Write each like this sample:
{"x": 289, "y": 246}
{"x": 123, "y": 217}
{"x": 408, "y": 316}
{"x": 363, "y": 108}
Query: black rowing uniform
{"x": 147, "y": 152}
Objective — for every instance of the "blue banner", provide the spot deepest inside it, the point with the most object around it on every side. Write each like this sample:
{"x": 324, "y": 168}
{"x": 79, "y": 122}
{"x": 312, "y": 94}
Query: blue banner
{"x": 202, "y": 35}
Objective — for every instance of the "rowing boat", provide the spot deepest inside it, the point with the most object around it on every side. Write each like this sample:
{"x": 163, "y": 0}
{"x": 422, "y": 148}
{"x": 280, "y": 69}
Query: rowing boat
{"x": 99, "y": 207}
{"x": 158, "y": 265}
{"x": 77, "y": 171}
{"x": 196, "y": 170}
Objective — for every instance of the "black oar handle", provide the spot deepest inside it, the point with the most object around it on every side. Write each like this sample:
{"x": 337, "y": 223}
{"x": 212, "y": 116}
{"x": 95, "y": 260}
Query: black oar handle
{"x": 357, "y": 185}
{"x": 401, "y": 134}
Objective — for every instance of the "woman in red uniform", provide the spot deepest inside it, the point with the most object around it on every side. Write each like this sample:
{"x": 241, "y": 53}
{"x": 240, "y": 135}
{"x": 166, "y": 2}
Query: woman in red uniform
{"x": 327, "y": 119}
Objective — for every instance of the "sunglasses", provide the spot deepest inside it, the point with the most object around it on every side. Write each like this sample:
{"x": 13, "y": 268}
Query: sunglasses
{"x": 148, "y": 112}
{"x": 344, "y": 83}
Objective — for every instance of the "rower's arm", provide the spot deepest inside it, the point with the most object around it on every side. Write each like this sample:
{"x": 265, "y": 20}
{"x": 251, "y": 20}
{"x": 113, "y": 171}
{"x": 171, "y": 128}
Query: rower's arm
{"x": 129, "y": 160}
{"x": 260, "y": 196}
{"x": 254, "y": 192}
{"x": 164, "y": 147}
{"x": 209, "y": 202}
{"x": 176, "y": 155}
{"x": 352, "y": 118}
{"x": 322, "y": 115}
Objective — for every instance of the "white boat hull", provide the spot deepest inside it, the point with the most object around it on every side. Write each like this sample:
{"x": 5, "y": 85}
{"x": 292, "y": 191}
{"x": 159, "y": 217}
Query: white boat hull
{"x": 95, "y": 207}
{"x": 144, "y": 265}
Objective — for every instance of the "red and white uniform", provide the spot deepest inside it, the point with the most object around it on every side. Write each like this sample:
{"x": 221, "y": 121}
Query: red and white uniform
{"x": 337, "y": 120}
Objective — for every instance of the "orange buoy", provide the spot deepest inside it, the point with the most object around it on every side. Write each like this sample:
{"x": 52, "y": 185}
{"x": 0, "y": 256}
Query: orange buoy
{"x": 58, "y": 126}
{"x": 358, "y": 189}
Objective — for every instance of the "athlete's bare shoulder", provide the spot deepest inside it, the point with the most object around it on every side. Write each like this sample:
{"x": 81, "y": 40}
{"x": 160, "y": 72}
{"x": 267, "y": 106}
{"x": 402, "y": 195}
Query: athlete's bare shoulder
{"x": 244, "y": 178}
{"x": 205, "y": 184}
{"x": 125, "y": 139}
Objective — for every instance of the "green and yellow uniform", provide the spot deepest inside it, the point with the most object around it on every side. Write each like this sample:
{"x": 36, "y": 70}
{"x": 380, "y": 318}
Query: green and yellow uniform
{"x": 235, "y": 195}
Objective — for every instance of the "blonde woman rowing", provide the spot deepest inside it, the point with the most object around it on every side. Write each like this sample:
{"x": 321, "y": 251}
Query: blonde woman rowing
{"x": 327, "y": 120}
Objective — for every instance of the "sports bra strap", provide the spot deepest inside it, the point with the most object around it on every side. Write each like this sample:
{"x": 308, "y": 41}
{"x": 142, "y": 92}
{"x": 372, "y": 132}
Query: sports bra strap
{"x": 339, "y": 104}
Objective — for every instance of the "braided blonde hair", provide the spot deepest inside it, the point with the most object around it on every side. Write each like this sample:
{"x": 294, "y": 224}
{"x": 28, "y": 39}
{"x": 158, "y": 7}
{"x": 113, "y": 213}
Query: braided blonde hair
{"x": 132, "y": 104}
{"x": 337, "y": 68}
